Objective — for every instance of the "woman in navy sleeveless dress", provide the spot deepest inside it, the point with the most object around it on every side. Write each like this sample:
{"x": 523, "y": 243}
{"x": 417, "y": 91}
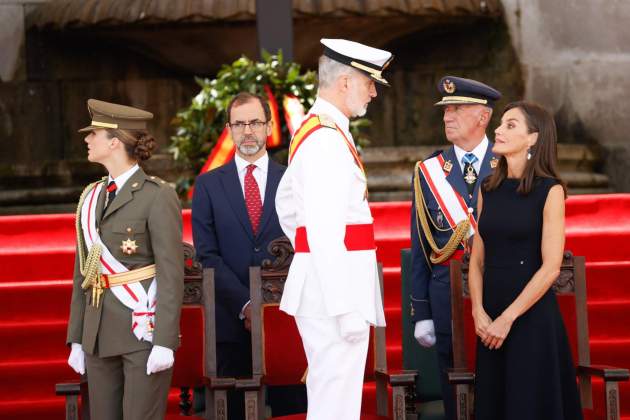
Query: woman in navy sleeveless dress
{"x": 524, "y": 365}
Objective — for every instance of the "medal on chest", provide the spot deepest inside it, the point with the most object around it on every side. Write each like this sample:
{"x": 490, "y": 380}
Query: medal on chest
{"x": 470, "y": 177}
{"x": 129, "y": 245}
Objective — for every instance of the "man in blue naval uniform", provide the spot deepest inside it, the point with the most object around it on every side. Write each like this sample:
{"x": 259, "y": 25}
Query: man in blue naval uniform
{"x": 467, "y": 108}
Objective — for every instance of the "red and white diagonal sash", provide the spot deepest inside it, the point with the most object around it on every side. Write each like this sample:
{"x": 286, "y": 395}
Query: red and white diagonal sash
{"x": 133, "y": 295}
{"x": 451, "y": 203}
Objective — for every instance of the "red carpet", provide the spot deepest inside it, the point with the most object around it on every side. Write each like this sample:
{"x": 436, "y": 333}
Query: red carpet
{"x": 37, "y": 255}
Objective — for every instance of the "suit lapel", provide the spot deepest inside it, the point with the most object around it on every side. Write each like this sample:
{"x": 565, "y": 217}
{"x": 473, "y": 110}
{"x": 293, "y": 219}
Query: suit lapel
{"x": 234, "y": 193}
{"x": 125, "y": 194}
{"x": 455, "y": 176}
{"x": 484, "y": 171}
{"x": 274, "y": 174}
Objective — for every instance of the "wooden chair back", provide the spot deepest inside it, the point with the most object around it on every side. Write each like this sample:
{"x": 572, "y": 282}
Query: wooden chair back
{"x": 272, "y": 368}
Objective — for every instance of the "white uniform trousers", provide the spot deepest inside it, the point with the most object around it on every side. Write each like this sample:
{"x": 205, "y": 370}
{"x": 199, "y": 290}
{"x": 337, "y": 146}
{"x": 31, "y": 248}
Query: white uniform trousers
{"x": 334, "y": 383}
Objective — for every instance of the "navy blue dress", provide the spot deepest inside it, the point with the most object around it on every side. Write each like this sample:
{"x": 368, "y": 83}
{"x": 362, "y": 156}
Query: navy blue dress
{"x": 532, "y": 376}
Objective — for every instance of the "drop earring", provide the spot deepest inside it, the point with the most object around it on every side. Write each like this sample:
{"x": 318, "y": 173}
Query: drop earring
{"x": 529, "y": 154}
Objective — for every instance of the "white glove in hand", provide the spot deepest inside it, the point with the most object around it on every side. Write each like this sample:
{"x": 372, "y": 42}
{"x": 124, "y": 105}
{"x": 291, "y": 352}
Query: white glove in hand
{"x": 161, "y": 358}
{"x": 425, "y": 333}
{"x": 76, "y": 360}
{"x": 352, "y": 327}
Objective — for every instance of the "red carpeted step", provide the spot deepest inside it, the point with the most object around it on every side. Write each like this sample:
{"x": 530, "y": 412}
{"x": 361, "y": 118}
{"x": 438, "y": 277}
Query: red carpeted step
{"x": 608, "y": 280}
{"x": 34, "y": 300}
{"x": 609, "y": 319}
{"x": 613, "y": 352}
{"x": 391, "y": 286}
{"x": 24, "y": 341}
{"x": 33, "y": 379}
{"x": 49, "y": 408}
{"x": 393, "y": 331}
{"x": 394, "y": 356}
{"x": 603, "y": 244}
{"x": 40, "y": 264}
{"x": 388, "y": 249}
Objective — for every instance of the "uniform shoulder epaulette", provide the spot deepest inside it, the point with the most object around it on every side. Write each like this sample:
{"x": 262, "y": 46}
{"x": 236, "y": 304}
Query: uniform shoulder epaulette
{"x": 326, "y": 121}
{"x": 432, "y": 155}
{"x": 157, "y": 180}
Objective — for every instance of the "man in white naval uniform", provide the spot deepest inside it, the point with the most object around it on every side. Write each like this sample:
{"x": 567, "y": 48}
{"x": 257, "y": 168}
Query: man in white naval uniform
{"x": 332, "y": 289}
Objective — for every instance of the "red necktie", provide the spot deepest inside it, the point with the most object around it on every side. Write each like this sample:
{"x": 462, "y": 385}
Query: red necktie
{"x": 252, "y": 198}
{"x": 111, "y": 193}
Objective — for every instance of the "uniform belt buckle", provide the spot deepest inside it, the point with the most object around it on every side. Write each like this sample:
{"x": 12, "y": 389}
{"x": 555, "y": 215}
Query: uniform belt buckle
{"x": 105, "y": 281}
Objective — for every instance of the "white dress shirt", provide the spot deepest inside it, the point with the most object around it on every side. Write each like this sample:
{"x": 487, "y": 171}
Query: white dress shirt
{"x": 260, "y": 173}
{"x": 479, "y": 151}
{"x": 121, "y": 179}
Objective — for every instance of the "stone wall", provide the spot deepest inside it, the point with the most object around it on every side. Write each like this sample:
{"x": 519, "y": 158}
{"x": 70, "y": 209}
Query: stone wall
{"x": 575, "y": 56}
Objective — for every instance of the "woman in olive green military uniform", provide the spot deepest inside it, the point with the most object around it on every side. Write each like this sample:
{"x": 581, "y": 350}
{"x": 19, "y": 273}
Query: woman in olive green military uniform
{"x": 128, "y": 274}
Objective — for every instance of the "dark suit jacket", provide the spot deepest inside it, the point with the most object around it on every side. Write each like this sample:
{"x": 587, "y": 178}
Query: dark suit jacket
{"x": 224, "y": 240}
{"x": 430, "y": 297}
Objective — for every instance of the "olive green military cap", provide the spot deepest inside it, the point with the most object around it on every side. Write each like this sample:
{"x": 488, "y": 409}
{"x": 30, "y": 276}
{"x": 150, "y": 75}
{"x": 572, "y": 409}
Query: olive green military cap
{"x": 108, "y": 115}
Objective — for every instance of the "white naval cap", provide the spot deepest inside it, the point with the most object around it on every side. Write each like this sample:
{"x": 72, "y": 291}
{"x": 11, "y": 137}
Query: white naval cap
{"x": 369, "y": 60}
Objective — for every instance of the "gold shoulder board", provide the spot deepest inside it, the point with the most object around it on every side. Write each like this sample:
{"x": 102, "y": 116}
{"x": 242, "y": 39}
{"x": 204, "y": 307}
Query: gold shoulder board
{"x": 327, "y": 121}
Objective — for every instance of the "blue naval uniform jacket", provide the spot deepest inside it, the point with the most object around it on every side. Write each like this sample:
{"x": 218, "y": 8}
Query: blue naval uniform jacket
{"x": 430, "y": 285}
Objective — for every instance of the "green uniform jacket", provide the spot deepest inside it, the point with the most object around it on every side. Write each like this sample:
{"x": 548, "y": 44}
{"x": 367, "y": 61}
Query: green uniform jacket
{"x": 147, "y": 210}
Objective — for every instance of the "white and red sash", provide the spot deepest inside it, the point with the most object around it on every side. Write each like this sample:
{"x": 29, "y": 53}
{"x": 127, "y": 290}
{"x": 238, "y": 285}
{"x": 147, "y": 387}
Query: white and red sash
{"x": 451, "y": 203}
{"x": 133, "y": 295}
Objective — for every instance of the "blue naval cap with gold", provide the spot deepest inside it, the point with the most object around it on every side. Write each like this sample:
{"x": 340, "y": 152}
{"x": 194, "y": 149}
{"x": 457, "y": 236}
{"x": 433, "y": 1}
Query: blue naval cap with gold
{"x": 460, "y": 91}
{"x": 368, "y": 60}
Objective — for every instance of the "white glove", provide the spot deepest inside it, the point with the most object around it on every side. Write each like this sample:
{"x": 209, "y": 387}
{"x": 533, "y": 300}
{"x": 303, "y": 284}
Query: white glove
{"x": 352, "y": 327}
{"x": 161, "y": 358}
{"x": 76, "y": 360}
{"x": 425, "y": 333}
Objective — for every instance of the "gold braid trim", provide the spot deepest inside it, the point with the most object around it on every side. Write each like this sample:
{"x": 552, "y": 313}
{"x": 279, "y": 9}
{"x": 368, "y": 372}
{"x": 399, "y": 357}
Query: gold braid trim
{"x": 90, "y": 266}
{"x": 438, "y": 255}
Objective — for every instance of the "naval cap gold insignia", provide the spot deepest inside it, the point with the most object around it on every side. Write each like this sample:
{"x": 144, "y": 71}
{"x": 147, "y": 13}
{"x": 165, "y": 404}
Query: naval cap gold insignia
{"x": 449, "y": 86}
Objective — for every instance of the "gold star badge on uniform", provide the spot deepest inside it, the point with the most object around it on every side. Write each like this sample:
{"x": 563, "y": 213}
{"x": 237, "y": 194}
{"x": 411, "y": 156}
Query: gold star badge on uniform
{"x": 494, "y": 162}
{"x": 129, "y": 247}
{"x": 448, "y": 165}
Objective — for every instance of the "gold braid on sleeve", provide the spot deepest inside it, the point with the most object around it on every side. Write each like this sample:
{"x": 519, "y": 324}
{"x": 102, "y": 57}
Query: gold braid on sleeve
{"x": 90, "y": 265}
{"x": 460, "y": 233}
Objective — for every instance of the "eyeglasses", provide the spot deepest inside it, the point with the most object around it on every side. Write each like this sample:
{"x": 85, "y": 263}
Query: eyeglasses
{"x": 253, "y": 125}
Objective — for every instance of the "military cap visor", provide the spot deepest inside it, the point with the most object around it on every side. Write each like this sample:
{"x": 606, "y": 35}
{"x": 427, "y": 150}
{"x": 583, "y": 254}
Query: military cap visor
{"x": 107, "y": 115}
{"x": 368, "y": 60}
{"x": 460, "y": 91}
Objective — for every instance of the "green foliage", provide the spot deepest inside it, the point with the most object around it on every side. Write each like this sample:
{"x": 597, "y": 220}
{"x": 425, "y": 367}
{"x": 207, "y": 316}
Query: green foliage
{"x": 198, "y": 126}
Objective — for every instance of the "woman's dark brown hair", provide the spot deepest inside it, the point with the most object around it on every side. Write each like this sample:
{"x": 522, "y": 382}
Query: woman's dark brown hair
{"x": 139, "y": 144}
{"x": 544, "y": 153}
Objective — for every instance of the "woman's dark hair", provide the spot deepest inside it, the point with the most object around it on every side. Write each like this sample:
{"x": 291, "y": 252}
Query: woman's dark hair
{"x": 139, "y": 144}
{"x": 544, "y": 153}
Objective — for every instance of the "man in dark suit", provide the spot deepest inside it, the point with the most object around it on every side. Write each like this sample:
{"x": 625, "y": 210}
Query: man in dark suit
{"x": 446, "y": 187}
{"x": 233, "y": 220}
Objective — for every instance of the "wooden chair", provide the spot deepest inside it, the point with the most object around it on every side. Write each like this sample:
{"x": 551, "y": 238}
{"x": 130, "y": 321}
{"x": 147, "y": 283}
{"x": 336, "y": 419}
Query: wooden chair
{"x": 272, "y": 329}
{"x": 570, "y": 288}
{"x": 195, "y": 360}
